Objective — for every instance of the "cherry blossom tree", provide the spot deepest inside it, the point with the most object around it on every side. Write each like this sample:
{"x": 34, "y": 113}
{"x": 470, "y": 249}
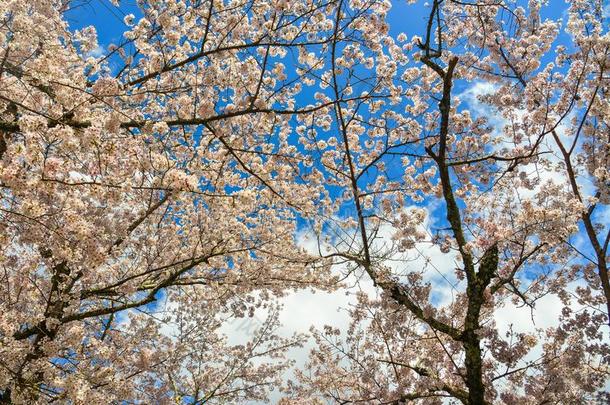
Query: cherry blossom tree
{"x": 151, "y": 194}
{"x": 149, "y": 187}
{"x": 512, "y": 190}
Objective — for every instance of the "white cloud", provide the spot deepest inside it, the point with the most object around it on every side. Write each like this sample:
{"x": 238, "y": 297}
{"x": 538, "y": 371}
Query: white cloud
{"x": 96, "y": 52}
{"x": 305, "y": 309}
{"x": 472, "y": 98}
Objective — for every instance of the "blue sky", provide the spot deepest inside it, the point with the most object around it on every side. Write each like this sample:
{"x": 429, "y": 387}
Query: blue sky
{"x": 410, "y": 19}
